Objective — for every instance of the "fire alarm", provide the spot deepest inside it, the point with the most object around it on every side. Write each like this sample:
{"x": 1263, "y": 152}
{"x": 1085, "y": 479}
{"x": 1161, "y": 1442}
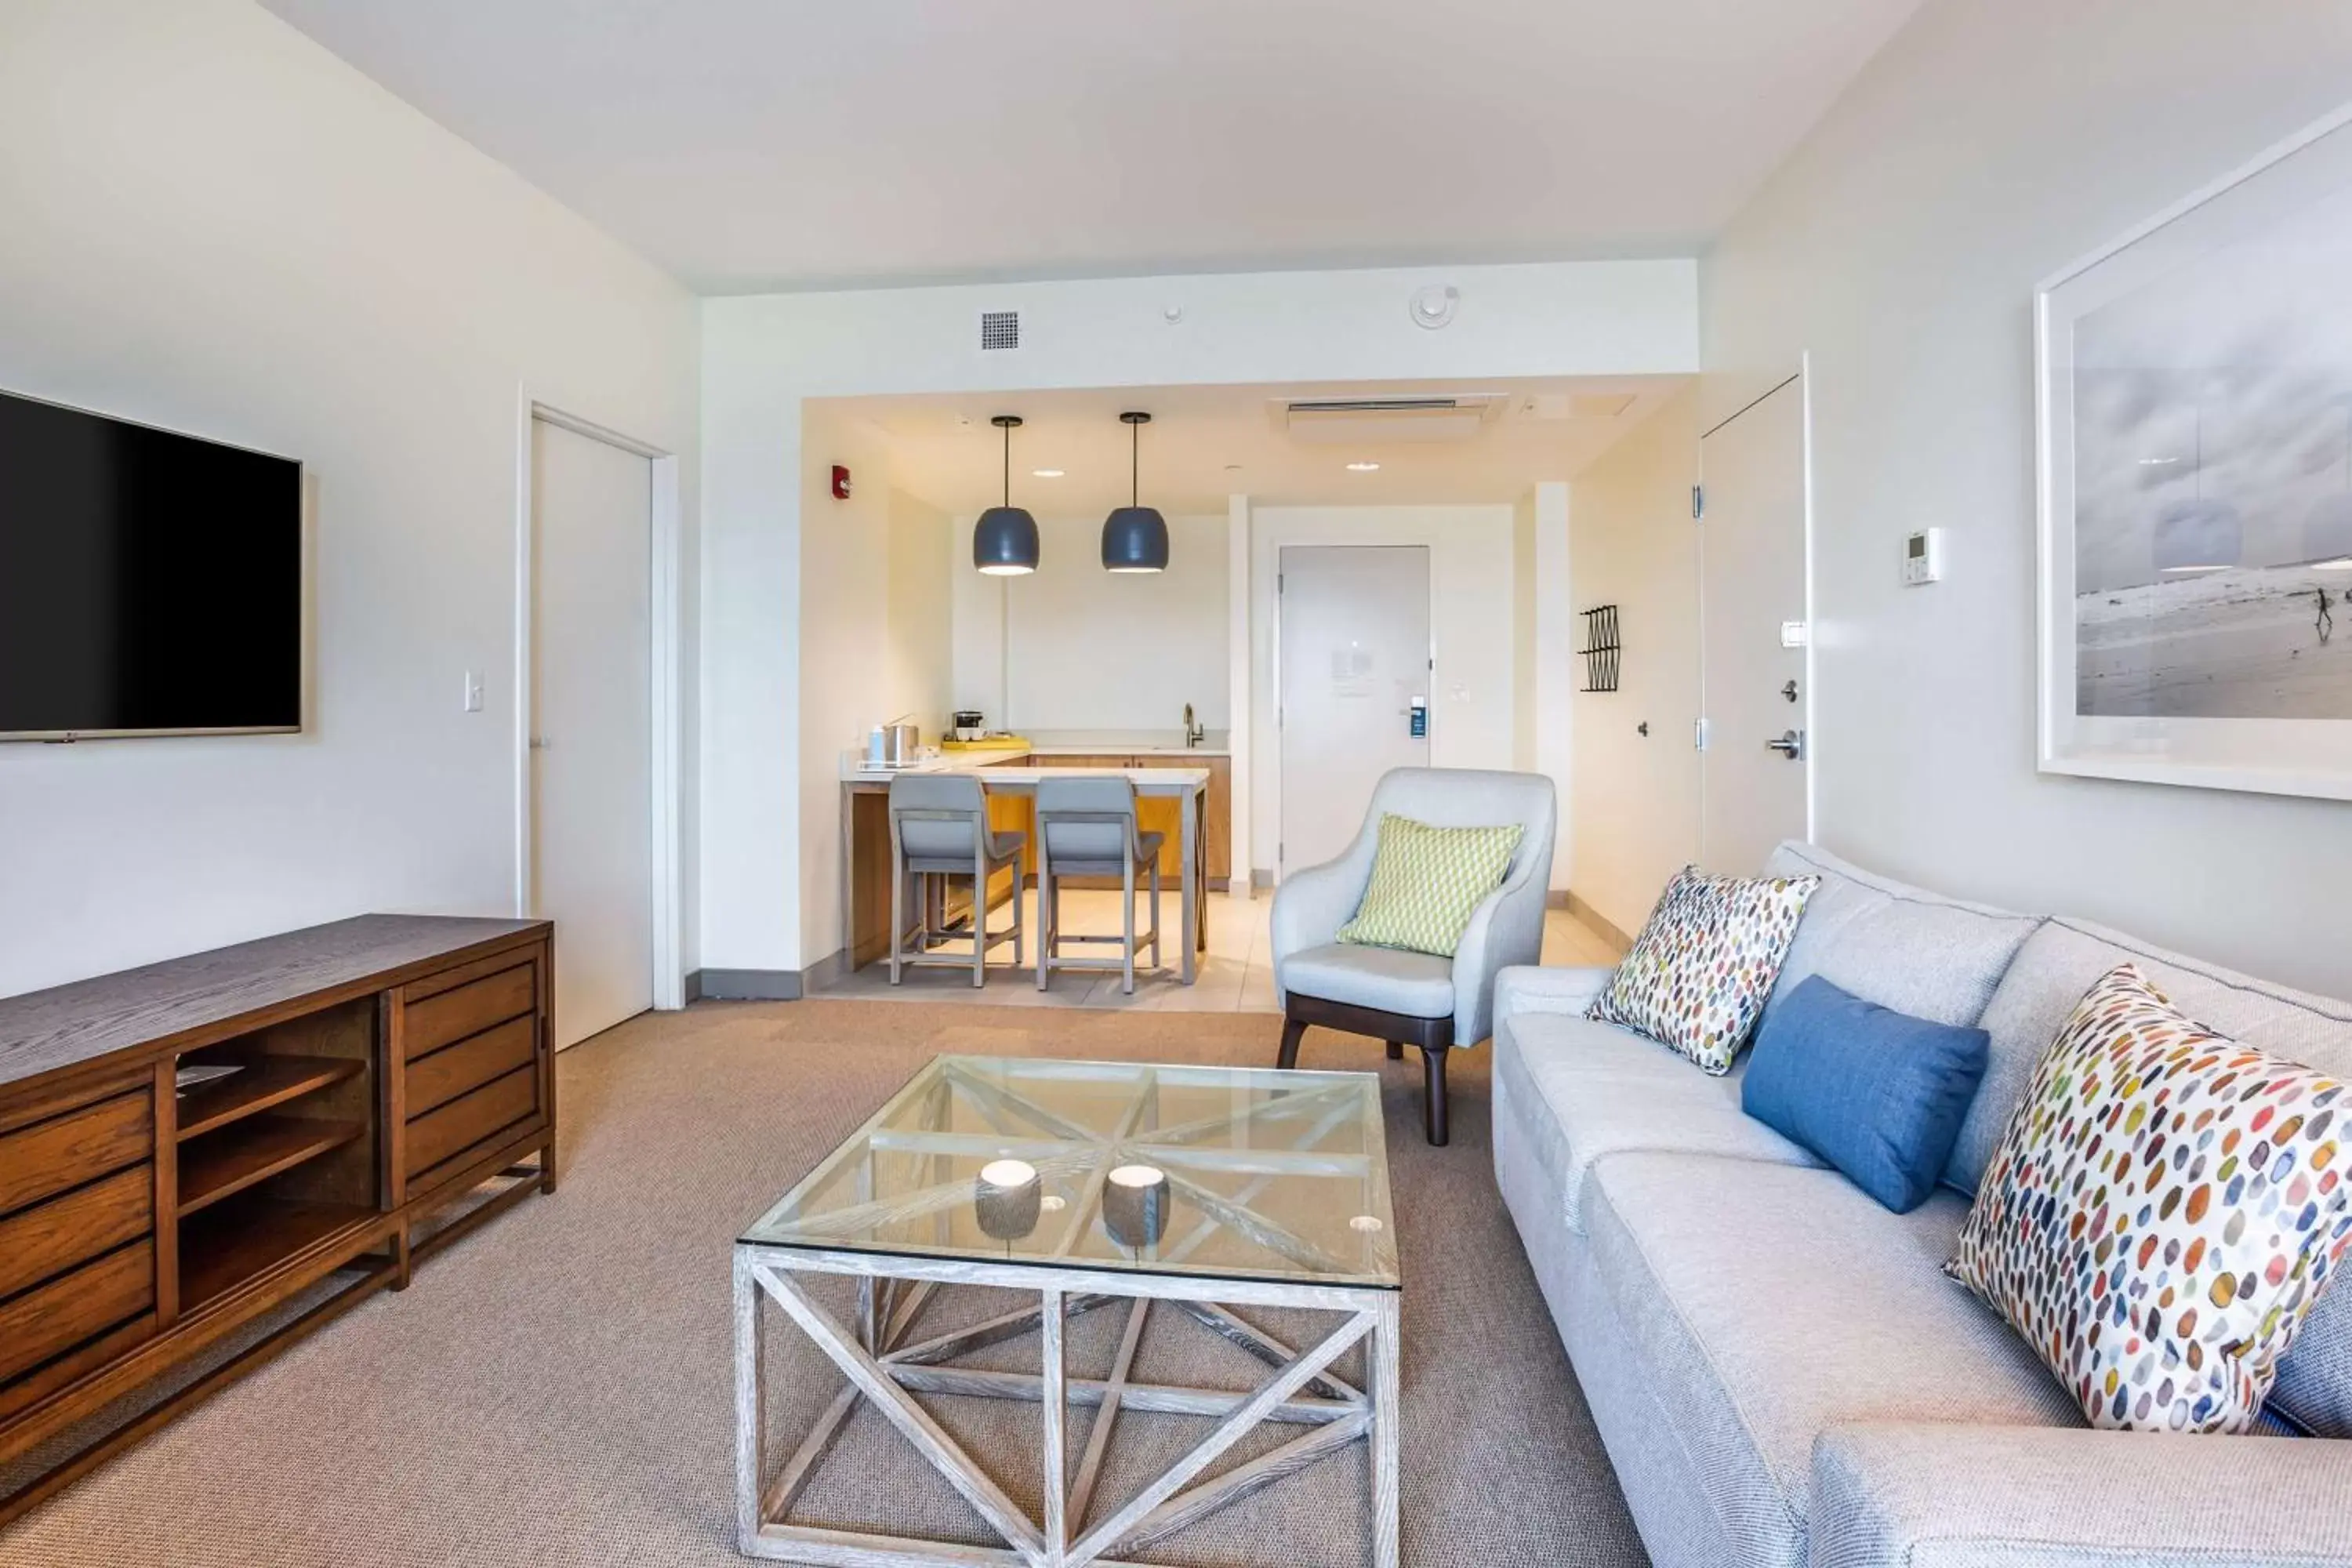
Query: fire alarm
{"x": 840, "y": 482}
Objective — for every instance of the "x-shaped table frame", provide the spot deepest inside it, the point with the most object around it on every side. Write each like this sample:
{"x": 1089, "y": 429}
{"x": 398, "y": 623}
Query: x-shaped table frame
{"x": 882, "y": 1366}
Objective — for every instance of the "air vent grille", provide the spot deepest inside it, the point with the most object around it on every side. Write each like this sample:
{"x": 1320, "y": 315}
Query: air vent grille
{"x": 1000, "y": 329}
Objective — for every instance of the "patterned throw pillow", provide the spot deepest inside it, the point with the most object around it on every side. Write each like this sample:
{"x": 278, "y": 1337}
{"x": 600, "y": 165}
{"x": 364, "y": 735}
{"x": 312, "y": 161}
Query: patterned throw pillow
{"x": 2161, "y": 1213}
{"x": 1427, "y": 882}
{"x": 1702, "y": 967}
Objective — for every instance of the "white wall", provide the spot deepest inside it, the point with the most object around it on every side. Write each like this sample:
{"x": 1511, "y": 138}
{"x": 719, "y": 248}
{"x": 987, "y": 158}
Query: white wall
{"x": 1472, "y": 691}
{"x": 1088, "y": 649}
{"x": 1636, "y": 797}
{"x": 920, "y": 614}
{"x": 763, "y": 356}
{"x": 213, "y": 225}
{"x": 849, "y": 678}
{"x": 1992, "y": 143}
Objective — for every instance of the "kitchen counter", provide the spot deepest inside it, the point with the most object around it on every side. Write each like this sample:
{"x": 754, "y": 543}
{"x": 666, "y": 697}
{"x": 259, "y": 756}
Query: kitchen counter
{"x": 1130, "y": 751}
{"x": 1158, "y": 780}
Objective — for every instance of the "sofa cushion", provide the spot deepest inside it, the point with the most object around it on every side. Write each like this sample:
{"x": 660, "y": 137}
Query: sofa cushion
{"x": 1585, "y": 1089}
{"x": 2040, "y": 990}
{"x": 2055, "y": 967}
{"x": 1770, "y": 1302}
{"x": 2162, "y": 1212}
{"x": 1899, "y": 946}
{"x": 1387, "y": 978}
{"x": 1877, "y": 1093}
{"x": 1705, "y": 962}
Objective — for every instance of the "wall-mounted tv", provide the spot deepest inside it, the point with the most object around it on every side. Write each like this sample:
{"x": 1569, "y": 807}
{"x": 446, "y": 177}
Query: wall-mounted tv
{"x": 151, "y": 583}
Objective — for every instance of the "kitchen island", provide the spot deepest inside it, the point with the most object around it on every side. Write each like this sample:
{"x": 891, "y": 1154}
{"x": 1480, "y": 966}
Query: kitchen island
{"x": 1010, "y": 783}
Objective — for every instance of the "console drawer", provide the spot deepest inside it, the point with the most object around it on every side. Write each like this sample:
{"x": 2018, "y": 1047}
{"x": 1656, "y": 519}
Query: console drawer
{"x": 61, "y": 1314}
{"x": 447, "y": 1016}
{"x": 51, "y": 1237}
{"x": 472, "y": 1062}
{"x": 503, "y": 1103}
{"x": 47, "y": 1157}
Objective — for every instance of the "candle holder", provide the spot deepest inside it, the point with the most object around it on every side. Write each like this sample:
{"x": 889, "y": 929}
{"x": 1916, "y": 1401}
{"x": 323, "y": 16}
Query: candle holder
{"x": 1008, "y": 1196}
{"x": 1135, "y": 1205}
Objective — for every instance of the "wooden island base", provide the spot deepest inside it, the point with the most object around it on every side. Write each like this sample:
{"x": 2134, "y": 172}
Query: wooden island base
{"x": 384, "y": 1068}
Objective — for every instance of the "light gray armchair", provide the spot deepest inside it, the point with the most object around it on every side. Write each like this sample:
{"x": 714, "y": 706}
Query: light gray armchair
{"x": 1414, "y": 998}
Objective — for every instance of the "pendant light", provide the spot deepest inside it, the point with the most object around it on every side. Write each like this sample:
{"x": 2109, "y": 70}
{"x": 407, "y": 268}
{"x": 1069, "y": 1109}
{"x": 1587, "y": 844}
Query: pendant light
{"x": 1135, "y": 537}
{"x": 1005, "y": 541}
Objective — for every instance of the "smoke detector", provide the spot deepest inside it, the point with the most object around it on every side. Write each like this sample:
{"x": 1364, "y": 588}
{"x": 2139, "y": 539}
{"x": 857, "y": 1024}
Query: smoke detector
{"x": 1433, "y": 307}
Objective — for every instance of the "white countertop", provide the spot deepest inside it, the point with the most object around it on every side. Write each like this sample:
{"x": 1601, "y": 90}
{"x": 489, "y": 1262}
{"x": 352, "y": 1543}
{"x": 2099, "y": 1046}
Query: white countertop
{"x": 1126, "y": 751}
{"x": 1148, "y": 781}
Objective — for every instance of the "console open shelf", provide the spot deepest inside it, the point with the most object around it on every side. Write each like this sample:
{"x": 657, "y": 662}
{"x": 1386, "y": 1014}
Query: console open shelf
{"x": 246, "y": 1236}
{"x": 273, "y": 1080}
{"x": 258, "y": 1149}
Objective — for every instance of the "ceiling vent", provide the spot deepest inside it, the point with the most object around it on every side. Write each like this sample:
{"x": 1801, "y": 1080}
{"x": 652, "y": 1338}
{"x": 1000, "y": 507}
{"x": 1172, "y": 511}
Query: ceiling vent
{"x": 1353, "y": 421}
{"x": 1000, "y": 329}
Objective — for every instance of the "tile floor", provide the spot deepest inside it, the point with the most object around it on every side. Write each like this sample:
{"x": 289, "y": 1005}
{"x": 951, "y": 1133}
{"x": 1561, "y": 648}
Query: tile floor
{"x": 1234, "y": 973}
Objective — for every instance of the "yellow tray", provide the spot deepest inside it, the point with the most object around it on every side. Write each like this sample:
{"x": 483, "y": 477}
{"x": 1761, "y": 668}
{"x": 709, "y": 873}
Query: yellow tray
{"x": 994, "y": 744}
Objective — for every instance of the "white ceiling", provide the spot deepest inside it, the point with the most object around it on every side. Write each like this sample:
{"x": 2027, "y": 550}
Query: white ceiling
{"x": 1207, "y": 443}
{"x": 751, "y": 144}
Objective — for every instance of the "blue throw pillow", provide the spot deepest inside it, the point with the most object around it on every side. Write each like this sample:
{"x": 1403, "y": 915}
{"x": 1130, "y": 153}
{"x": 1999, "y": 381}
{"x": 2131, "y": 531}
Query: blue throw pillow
{"x": 1877, "y": 1093}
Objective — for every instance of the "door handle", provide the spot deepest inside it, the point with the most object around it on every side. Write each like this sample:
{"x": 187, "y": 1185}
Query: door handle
{"x": 540, "y": 742}
{"x": 1790, "y": 745}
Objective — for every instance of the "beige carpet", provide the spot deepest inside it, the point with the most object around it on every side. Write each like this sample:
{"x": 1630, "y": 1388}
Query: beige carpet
{"x": 555, "y": 1389}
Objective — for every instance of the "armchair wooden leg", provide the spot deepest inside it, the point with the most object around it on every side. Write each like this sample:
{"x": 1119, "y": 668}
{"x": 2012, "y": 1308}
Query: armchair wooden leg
{"x": 1396, "y": 1050}
{"x": 1292, "y": 1029}
{"x": 1433, "y": 1068}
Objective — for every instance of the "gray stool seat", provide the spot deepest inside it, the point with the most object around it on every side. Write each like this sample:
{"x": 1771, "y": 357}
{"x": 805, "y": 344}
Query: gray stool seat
{"x": 940, "y": 828}
{"x": 1087, "y": 827}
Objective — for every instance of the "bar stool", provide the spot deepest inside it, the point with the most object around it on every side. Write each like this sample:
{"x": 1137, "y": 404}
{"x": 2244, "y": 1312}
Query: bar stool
{"x": 1086, "y": 828}
{"x": 938, "y": 828}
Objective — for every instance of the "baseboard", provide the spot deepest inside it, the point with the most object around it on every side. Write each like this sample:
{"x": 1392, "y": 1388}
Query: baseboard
{"x": 744, "y": 985}
{"x": 1556, "y": 899}
{"x": 1591, "y": 917}
{"x": 826, "y": 971}
{"x": 1261, "y": 880}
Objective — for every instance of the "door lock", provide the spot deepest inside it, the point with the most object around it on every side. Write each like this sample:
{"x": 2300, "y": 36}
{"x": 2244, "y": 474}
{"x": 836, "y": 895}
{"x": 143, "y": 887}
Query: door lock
{"x": 1790, "y": 745}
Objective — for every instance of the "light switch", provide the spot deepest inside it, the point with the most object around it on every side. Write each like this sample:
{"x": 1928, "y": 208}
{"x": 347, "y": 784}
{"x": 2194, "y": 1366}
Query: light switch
{"x": 473, "y": 693}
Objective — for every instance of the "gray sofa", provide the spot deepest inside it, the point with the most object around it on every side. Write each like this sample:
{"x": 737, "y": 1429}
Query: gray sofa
{"x": 1780, "y": 1368}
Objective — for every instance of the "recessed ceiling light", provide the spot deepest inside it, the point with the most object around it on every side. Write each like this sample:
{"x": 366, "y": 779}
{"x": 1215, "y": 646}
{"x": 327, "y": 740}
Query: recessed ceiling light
{"x": 1046, "y": 473}
{"x": 1363, "y": 467}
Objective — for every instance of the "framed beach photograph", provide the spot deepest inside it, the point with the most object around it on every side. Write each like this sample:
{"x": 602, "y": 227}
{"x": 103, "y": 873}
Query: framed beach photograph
{"x": 2195, "y": 446}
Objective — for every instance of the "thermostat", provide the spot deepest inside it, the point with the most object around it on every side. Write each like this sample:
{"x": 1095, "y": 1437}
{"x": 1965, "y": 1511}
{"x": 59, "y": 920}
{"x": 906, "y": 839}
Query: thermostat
{"x": 1923, "y": 558}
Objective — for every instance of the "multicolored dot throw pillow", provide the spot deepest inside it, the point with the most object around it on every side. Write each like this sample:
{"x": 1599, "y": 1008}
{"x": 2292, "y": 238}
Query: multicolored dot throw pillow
{"x": 1702, "y": 967}
{"x": 1427, "y": 882}
{"x": 2161, "y": 1213}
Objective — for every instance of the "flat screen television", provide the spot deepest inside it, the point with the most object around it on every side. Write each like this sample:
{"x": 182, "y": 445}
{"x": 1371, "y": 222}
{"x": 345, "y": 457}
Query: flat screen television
{"x": 151, "y": 583}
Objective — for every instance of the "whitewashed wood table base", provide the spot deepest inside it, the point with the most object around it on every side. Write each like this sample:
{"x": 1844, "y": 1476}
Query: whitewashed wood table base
{"x": 885, "y": 1365}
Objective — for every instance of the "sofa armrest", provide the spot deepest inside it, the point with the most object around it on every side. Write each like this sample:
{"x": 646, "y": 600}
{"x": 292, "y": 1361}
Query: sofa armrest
{"x": 1948, "y": 1496}
{"x": 1528, "y": 989}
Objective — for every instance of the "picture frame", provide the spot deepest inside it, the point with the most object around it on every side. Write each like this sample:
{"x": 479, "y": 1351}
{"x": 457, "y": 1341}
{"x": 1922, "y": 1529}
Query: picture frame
{"x": 2193, "y": 415}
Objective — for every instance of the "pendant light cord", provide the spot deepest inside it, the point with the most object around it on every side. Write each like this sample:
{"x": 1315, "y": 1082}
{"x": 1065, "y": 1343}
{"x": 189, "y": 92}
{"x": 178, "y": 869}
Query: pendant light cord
{"x": 1134, "y": 464}
{"x": 1008, "y": 464}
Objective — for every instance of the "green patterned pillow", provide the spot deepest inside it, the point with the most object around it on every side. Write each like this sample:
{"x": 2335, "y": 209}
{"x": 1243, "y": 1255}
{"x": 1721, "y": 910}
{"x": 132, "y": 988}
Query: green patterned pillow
{"x": 1426, "y": 883}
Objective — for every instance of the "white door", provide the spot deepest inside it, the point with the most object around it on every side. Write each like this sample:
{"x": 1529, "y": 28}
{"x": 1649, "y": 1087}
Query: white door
{"x": 1756, "y": 771}
{"x": 1355, "y": 687}
{"x": 591, "y": 745}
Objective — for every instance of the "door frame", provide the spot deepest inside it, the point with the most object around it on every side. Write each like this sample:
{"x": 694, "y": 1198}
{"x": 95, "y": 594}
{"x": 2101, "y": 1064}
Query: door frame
{"x": 1281, "y": 708}
{"x": 1809, "y": 710}
{"x": 663, "y": 740}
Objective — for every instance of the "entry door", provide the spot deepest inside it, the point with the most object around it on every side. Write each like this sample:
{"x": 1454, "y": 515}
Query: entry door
{"x": 1355, "y": 671}
{"x": 1756, "y": 765}
{"x": 592, "y": 741}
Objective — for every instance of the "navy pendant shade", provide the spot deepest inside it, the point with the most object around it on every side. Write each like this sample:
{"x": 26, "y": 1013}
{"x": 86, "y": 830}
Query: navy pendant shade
{"x": 1004, "y": 540}
{"x": 1135, "y": 537}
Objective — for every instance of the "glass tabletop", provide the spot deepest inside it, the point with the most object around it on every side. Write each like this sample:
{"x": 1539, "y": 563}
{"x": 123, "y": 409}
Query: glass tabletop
{"x": 1239, "y": 1172}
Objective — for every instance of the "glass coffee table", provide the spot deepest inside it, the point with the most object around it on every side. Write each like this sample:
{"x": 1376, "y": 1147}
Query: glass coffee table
{"x": 1086, "y": 1185}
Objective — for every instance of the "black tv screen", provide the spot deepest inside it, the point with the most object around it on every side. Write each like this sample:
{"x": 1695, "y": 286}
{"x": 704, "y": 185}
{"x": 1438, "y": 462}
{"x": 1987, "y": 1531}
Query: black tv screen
{"x": 150, "y": 582}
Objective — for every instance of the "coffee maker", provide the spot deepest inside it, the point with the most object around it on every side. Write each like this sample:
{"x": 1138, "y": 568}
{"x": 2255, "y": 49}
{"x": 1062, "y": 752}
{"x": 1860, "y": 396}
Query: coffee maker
{"x": 967, "y": 724}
